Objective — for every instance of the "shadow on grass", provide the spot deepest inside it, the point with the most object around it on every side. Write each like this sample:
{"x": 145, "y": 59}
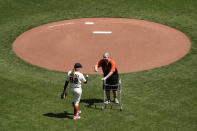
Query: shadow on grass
{"x": 98, "y": 103}
{"x": 91, "y": 103}
{"x": 60, "y": 115}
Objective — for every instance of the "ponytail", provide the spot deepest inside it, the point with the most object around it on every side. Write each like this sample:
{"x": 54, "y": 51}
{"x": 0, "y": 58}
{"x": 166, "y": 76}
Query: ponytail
{"x": 73, "y": 73}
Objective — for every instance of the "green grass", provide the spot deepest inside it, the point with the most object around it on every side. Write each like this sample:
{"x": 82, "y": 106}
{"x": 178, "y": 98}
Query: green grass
{"x": 162, "y": 99}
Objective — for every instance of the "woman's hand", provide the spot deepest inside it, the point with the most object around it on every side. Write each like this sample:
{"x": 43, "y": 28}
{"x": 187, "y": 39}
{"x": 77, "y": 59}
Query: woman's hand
{"x": 63, "y": 95}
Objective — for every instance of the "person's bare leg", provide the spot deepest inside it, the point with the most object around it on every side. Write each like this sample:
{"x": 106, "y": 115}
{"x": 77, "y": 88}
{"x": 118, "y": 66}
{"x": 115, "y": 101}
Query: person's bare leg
{"x": 115, "y": 93}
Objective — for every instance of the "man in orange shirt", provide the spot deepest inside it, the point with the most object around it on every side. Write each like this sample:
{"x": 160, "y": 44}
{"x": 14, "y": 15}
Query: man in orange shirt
{"x": 110, "y": 75}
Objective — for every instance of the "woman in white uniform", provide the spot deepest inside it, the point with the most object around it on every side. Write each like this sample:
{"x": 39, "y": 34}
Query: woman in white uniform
{"x": 75, "y": 78}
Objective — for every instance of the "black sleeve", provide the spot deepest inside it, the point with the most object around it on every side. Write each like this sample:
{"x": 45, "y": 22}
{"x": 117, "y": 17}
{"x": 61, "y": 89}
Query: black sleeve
{"x": 65, "y": 86}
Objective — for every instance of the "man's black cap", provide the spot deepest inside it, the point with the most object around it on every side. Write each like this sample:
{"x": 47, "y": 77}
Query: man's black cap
{"x": 77, "y": 65}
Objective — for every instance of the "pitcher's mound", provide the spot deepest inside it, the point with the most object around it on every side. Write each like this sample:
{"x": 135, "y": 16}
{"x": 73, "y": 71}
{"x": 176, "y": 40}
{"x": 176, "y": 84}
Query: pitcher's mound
{"x": 135, "y": 45}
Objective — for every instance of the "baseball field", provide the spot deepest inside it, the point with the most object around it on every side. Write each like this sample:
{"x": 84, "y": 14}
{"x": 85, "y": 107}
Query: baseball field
{"x": 159, "y": 99}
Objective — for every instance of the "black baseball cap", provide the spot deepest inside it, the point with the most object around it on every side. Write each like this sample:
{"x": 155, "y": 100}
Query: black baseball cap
{"x": 78, "y": 65}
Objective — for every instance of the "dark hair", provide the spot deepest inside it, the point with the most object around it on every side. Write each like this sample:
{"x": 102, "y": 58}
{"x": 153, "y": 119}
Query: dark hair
{"x": 77, "y": 65}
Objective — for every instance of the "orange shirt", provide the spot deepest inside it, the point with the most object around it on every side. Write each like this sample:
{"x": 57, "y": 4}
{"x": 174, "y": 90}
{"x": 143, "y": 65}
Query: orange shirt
{"x": 107, "y": 67}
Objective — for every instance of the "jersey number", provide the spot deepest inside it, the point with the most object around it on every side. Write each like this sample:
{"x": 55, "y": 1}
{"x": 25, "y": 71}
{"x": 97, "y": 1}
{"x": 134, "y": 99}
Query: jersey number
{"x": 75, "y": 80}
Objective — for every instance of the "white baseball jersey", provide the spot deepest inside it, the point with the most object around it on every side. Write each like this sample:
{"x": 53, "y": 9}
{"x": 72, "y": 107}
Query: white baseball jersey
{"x": 75, "y": 85}
{"x": 76, "y": 81}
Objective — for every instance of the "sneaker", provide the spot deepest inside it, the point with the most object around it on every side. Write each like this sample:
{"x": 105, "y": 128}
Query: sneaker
{"x": 116, "y": 101}
{"x": 78, "y": 112}
{"x": 76, "y": 117}
{"x": 107, "y": 102}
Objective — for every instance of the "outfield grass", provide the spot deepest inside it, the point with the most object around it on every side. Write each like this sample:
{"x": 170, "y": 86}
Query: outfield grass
{"x": 162, "y": 99}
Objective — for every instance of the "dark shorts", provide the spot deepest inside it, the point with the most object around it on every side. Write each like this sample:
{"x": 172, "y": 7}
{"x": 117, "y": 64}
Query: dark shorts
{"x": 111, "y": 83}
